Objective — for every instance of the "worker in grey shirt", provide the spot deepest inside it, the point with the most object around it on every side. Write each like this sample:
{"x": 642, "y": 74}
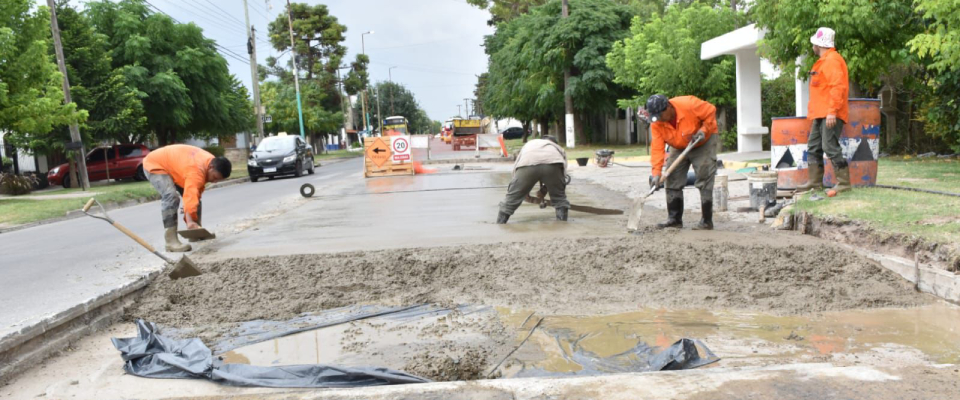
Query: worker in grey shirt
{"x": 540, "y": 160}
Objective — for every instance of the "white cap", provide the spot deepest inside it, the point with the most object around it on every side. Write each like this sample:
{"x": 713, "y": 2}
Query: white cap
{"x": 823, "y": 37}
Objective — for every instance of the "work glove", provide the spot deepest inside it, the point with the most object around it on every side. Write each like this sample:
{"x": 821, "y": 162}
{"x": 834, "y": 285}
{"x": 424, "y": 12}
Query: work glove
{"x": 654, "y": 181}
{"x": 697, "y": 137}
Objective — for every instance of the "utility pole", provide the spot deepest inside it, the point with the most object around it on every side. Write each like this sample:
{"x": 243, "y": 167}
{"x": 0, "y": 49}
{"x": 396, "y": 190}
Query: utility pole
{"x": 296, "y": 72}
{"x": 458, "y": 111}
{"x": 74, "y": 129}
{"x": 466, "y": 106}
{"x": 348, "y": 108}
{"x": 390, "y": 76}
{"x": 255, "y": 82}
{"x": 363, "y": 93}
{"x": 567, "y": 100}
{"x": 379, "y": 118}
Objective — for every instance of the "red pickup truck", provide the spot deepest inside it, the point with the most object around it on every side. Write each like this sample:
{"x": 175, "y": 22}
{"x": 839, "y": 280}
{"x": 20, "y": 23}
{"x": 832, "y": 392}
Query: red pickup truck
{"x": 122, "y": 161}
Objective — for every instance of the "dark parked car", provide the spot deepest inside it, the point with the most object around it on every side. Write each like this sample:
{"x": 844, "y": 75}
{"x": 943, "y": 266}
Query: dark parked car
{"x": 121, "y": 161}
{"x": 280, "y": 155}
{"x": 515, "y": 132}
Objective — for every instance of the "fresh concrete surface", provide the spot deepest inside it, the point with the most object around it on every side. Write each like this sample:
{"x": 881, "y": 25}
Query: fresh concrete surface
{"x": 51, "y": 268}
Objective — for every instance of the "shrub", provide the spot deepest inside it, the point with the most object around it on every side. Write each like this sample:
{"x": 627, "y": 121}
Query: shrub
{"x": 217, "y": 151}
{"x": 16, "y": 185}
{"x": 7, "y": 164}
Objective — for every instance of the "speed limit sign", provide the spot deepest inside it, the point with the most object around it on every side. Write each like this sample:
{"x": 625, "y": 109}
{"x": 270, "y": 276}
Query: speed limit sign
{"x": 401, "y": 148}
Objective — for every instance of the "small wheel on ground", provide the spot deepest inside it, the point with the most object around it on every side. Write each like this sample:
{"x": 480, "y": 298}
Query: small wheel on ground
{"x": 140, "y": 176}
{"x": 307, "y": 190}
{"x": 299, "y": 172}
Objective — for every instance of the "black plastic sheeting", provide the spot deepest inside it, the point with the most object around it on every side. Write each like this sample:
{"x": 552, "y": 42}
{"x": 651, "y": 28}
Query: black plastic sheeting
{"x": 152, "y": 355}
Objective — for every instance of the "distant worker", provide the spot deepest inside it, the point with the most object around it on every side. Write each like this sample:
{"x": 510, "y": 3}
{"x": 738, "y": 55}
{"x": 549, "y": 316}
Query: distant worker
{"x": 678, "y": 122}
{"x": 540, "y": 160}
{"x": 828, "y": 108}
{"x": 177, "y": 170}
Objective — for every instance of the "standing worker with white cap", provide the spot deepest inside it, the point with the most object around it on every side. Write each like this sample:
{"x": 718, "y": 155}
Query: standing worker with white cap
{"x": 828, "y": 108}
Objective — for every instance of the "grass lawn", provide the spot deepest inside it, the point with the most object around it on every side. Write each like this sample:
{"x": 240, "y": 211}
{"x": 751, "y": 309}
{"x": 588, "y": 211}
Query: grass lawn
{"x": 929, "y": 216}
{"x": 17, "y": 211}
{"x": 337, "y": 154}
{"x": 620, "y": 151}
{"x": 20, "y": 211}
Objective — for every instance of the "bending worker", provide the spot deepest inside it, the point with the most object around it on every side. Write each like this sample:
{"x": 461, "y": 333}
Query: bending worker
{"x": 677, "y": 122}
{"x": 177, "y": 170}
{"x": 828, "y": 108}
{"x": 540, "y": 160}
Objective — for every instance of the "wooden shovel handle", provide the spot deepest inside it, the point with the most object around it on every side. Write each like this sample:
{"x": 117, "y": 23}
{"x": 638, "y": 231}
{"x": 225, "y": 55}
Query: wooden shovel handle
{"x": 133, "y": 236}
{"x": 683, "y": 155}
{"x": 86, "y": 207}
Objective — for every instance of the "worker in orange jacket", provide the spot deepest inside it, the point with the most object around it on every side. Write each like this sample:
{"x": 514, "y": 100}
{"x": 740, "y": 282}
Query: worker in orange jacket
{"x": 828, "y": 108}
{"x": 677, "y": 122}
{"x": 177, "y": 170}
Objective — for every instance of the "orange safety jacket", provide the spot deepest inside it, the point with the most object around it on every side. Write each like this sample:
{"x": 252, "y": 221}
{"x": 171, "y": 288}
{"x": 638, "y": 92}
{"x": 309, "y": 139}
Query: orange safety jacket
{"x": 187, "y": 165}
{"x": 693, "y": 115}
{"x": 829, "y": 87}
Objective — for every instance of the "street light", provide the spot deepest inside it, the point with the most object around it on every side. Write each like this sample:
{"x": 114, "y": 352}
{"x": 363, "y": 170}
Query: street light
{"x": 390, "y": 76}
{"x": 363, "y": 97}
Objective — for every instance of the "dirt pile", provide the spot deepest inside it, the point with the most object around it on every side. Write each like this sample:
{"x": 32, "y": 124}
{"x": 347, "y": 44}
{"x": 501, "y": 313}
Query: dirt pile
{"x": 467, "y": 366}
{"x": 580, "y": 276}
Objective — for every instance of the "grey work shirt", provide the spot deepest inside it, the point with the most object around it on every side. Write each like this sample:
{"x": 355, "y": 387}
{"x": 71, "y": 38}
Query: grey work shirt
{"x": 540, "y": 151}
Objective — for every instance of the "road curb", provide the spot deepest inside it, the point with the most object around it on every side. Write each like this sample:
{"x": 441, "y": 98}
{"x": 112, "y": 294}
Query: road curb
{"x": 509, "y": 159}
{"x": 114, "y": 205}
{"x": 32, "y": 344}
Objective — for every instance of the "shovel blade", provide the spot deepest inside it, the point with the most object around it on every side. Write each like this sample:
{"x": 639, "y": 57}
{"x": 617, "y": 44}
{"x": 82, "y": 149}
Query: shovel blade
{"x": 184, "y": 268}
{"x": 636, "y": 211}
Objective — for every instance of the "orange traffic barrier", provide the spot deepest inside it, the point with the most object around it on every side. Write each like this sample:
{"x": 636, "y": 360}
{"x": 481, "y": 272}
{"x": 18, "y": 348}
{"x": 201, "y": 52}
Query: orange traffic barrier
{"x": 419, "y": 169}
{"x": 503, "y": 146}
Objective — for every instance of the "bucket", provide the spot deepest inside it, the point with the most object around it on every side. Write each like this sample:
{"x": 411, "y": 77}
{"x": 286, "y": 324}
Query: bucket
{"x": 763, "y": 188}
{"x": 582, "y": 161}
{"x": 720, "y": 192}
{"x": 603, "y": 157}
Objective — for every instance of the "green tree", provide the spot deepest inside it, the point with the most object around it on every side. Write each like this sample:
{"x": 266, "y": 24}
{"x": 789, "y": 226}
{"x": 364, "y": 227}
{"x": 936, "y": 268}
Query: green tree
{"x": 403, "y": 103}
{"x": 663, "y": 56}
{"x": 185, "y": 85}
{"x": 31, "y": 94}
{"x": 529, "y": 54}
{"x": 358, "y": 78}
{"x": 116, "y": 113}
{"x": 871, "y": 35}
{"x": 280, "y": 100}
{"x": 939, "y": 45}
{"x": 319, "y": 40}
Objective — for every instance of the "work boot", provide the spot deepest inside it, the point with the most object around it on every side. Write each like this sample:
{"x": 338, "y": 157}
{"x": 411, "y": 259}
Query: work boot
{"x": 173, "y": 242}
{"x": 674, "y": 210}
{"x": 502, "y": 217}
{"x": 706, "y": 222}
{"x": 842, "y": 171}
{"x": 815, "y": 172}
{"x": 562, "y": 214}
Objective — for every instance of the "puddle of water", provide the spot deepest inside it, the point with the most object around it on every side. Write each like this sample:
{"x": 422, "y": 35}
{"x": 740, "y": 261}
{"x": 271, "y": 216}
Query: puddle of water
{"x": 590, "y": 345}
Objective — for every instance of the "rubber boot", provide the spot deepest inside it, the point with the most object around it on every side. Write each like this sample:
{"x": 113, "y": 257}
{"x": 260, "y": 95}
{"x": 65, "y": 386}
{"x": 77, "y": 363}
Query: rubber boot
{"x": 815, "y": 172}
{"x": 502, "y": 217}
{"x": 173, "y": 242}
{"x": 842, "y": 171}
{"x": 674, "y": 210}
{"x": 706, "y": 222}
{"x": 562, "y": 214}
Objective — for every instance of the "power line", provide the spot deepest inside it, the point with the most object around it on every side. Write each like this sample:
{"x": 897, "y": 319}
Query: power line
{"x": 224, "y": 51}
{"x": 225, "y": 13}
{"x": 215, "y": 22}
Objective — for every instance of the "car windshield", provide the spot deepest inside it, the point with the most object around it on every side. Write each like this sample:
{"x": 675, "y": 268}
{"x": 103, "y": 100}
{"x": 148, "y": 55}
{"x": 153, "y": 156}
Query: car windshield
{"x": 273, "y": 144}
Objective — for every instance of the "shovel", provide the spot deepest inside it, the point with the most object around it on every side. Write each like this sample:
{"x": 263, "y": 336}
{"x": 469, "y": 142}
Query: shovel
{"x": 633, "y": 220}
{"x": 181, "y": 269}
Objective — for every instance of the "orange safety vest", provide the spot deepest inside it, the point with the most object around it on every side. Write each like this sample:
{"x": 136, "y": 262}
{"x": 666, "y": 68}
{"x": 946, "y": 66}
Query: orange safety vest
{"x": 829, "y": 87}
{"x": 187, "y": 165}
{"x": 693, "y": 115}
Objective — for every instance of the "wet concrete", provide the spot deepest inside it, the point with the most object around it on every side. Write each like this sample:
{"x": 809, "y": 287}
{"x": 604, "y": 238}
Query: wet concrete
{"x": 417, "y": 211}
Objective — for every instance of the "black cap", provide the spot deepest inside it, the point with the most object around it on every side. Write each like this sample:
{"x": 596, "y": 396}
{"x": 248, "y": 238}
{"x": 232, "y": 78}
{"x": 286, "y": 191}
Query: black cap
{"x": 655, "y": 105}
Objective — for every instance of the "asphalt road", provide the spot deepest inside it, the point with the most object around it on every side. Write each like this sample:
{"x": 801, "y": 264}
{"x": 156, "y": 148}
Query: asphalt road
{"x": 50, "y": 268}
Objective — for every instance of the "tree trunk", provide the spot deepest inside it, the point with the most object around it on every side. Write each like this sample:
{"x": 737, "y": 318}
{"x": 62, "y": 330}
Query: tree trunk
{"x": 526, "y": 130}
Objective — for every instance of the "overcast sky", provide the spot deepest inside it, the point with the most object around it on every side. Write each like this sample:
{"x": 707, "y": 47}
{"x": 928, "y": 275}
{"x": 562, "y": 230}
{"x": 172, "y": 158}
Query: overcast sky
{"x": 435, "y": 44}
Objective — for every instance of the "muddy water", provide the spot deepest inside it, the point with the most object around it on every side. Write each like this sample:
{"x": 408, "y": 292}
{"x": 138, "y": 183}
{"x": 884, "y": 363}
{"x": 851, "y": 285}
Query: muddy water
{"x": 566, "y": 345}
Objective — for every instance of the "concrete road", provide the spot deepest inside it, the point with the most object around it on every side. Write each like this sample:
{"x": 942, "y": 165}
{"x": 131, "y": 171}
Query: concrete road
{"x": 50, "y": 268}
